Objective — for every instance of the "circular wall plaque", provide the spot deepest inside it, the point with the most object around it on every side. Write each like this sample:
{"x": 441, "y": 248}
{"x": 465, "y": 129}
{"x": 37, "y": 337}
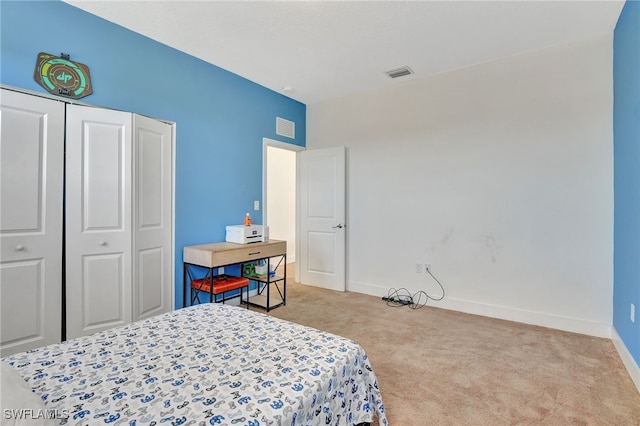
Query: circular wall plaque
{"x": 61, "y": 76}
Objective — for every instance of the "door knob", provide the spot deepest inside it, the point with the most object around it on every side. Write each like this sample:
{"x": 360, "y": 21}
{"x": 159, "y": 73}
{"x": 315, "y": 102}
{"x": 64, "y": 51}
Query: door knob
{"x": 20, "y": 247}
{"x": 339, "y": 226}
{"x": 103, "y": 243}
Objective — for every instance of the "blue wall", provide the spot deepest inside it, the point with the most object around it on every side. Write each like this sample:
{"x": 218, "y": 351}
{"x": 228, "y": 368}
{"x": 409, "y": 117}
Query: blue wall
{"x": 221, "y": 118}
{"x": 626, "y": 130}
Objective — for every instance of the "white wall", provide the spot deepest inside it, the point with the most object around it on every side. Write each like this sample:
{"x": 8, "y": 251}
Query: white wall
{"x": 281, "y": 199}
{"x": 499, "y": 175}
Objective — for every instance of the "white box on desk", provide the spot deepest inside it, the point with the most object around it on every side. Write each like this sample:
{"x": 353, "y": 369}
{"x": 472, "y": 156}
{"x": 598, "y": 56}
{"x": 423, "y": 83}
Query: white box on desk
{"x": 243, "y": 234}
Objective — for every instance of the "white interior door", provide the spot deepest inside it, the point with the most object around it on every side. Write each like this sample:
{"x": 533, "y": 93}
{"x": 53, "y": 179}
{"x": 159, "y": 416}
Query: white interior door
{"x": 98, "y": 221}
{"x": 31, "y": 167}
{"x": 152, "y": 222}
{"x": 322, "y": 235}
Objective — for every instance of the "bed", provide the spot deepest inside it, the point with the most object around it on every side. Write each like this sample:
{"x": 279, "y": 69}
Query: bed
{"x": 206, "y": 364}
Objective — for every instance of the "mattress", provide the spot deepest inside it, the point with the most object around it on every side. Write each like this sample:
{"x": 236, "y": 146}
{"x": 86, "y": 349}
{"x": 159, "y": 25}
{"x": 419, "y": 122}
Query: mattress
{"x": 206, "y": 364}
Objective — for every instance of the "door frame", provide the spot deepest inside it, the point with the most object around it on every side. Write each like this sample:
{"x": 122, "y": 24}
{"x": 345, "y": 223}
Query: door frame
{"x": 268, "y": 142}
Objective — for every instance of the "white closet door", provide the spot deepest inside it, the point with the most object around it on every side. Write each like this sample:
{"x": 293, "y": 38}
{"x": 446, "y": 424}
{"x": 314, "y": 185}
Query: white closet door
{"x": 152, "y": 258}
{"x": 98, "y": 220}
{"x": 31, "y": 167}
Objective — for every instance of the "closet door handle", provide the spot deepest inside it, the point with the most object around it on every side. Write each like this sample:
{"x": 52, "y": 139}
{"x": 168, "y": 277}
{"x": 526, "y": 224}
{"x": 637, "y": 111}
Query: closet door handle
{"x": 20, "y": 247}
{"x": 102, "y": 243}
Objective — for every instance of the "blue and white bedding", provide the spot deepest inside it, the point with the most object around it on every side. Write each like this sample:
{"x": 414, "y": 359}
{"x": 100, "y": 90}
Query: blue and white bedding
{"x": 208, "y": 364}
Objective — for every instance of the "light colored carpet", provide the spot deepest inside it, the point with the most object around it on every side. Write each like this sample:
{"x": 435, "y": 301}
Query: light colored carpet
{"x": 440, "y": 367}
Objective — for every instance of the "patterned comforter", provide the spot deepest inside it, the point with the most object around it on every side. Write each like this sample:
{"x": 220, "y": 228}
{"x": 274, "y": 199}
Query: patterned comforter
{"x": 206, "y": 364}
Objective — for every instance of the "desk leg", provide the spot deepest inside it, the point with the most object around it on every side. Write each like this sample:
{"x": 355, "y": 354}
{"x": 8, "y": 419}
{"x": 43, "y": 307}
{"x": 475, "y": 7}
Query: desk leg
{"x": 210, "y": 274}
{"x": 268, "y": 283}
{"x": 184, "y": 285}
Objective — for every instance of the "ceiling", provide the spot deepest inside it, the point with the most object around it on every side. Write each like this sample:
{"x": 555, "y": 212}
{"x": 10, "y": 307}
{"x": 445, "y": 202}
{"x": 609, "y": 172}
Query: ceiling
{"x": 317, "y": 50}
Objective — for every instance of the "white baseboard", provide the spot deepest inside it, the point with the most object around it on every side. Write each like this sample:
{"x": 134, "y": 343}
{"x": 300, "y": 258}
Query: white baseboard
{"x": 573, "y": 325}
{"x": 627, "y": 359}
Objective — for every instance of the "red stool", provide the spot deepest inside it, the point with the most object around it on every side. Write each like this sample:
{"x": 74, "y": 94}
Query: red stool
{"x": 221, "y": 285}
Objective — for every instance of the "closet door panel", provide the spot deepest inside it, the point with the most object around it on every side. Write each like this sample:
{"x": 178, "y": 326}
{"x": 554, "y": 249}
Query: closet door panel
{"x": 102, "y": 299}
{"x": 31, "y": 182}
{"x": 24, "y": 147}
{"x": 153, "y": 217}
{"x": 101, "y": 201}
{"x": 150, "y": 298}
{"x": 22, "y": 301}
{"x": 98, "y": 230}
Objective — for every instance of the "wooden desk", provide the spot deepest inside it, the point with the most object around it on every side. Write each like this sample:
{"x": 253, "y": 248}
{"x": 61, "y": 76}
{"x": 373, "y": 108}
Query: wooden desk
{"x": 217, "y": 255}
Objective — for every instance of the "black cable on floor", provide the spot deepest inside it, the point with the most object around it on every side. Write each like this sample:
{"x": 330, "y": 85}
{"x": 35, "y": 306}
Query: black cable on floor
{"x": 402, "y": 296}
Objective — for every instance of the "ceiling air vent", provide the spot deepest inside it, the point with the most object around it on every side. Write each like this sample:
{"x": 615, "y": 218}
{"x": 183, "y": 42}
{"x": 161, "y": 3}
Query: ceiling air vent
{"x": 399, "y": 72}
{"x": 285, "y": 128}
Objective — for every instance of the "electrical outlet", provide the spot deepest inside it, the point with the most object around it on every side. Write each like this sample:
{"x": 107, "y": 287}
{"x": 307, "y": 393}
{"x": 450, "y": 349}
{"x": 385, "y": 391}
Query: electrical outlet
{"x": 418, "y": 268}
{"x": 427, "y": 268}
{"x": 633, "y": 313}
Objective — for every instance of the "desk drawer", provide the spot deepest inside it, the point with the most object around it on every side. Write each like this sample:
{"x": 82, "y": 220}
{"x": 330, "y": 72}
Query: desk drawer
{"x": 249, "y": 253}
{"x": 222, "y": 254}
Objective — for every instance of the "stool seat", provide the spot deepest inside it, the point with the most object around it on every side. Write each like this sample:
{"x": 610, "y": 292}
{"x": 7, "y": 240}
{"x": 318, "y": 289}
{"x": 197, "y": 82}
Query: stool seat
{"x": 221, "y": 283}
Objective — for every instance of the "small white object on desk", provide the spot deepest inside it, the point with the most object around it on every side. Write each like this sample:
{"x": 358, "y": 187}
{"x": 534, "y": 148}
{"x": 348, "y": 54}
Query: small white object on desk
{"x": 243, "y": 234}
